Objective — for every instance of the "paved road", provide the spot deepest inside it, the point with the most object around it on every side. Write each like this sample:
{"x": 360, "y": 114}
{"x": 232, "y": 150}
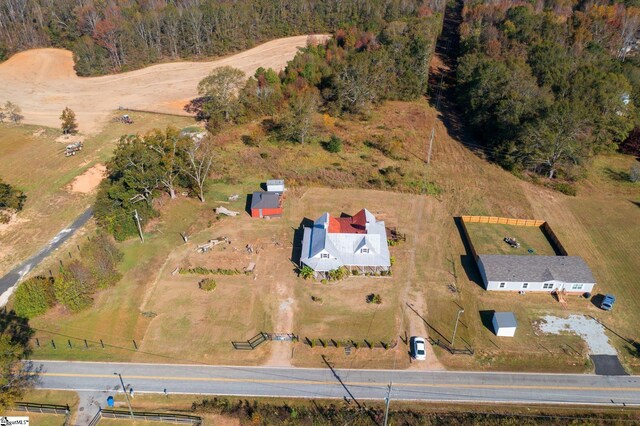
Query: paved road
{"x": 14, "y": 276}
{"x": 353, "y": 384}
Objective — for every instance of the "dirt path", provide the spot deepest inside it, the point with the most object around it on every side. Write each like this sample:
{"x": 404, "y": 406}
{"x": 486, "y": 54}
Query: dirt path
{"x": 43, "y": 82}
{"x": 89, "y": 180}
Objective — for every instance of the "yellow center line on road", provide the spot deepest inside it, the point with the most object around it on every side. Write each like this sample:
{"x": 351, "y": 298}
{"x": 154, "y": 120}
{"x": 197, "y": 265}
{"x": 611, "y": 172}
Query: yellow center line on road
{"x": 325, "y": 382}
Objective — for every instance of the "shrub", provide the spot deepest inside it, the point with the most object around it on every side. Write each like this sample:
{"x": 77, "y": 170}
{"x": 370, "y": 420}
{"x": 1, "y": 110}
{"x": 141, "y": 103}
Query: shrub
{"x": 316, "y": 299}
{"x": 207, "y": 284}
{"x": 634, "y": 173}
{"x": 565, "y": 188}
{"x": 102, "y": 257}
{"x": 338, "y": 274}
{"x": 374, "y": 298}
{"x": 11, "y": 198}
{"x": 72, "y": 287}
{"x": 333, "y": 145}
{"x": 34, "y": 297}
{"x": 199, "y": 270}
{"x": 306, "y": 272}
{"x": 249, "y": 140}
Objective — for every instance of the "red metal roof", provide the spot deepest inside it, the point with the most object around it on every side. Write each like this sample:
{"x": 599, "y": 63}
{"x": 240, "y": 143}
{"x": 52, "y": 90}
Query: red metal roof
{"x": 355, "y": 224}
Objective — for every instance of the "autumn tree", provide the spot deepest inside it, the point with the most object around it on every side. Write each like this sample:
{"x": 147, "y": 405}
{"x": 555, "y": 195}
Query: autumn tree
{"x": 10, "y": 197}
{"x": 198, "y": 159}
{"x": 133, "y": 179}
{"x": 69, "y": 123}
{"x": 17, "y": 374}
{"x": 168, "y": 146}
{"x": 297, "y": 122}
{"x": 13, "y": 112}
{"x": 221, "y": 88}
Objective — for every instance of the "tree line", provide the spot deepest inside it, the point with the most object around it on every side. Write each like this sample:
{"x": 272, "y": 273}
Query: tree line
{"x": 144, "y": 166}
{"x": 548, "y": 87}
{"x": 347, "y": 74}
{"x": 108, "y": 35}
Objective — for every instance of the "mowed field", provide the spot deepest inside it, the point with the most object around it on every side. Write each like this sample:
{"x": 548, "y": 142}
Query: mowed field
{"x": 165, "y": 312}
{"x": 489, "y": 239}
{"x": 171, "y": 320}
{"x": 43, "y": 82}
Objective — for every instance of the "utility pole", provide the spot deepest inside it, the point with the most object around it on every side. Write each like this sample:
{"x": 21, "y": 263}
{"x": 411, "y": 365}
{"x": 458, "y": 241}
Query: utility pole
{"x": 388, "y": 401}
{"x": 135, "y": 214}
{"x": 125, "y": 394}
{"x": 455, "y": 329}
{"x": 433, "y": 134}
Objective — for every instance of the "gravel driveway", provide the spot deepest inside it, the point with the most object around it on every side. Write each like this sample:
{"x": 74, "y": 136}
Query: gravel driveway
{"x": 587, "y": 328}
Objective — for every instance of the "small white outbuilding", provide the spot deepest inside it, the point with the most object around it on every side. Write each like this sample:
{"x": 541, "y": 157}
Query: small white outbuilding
{"x": 275, "y": 185}
{"x": 504, "y": 324}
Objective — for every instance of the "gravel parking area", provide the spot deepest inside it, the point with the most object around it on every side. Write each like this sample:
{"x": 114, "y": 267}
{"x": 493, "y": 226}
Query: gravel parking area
{"x": 587, "y": 328}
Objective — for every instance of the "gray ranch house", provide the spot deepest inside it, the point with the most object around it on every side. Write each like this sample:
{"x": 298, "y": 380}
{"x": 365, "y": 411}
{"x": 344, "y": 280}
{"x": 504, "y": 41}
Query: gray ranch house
{"x": 535, "y": 273}
{"x": 357, "y": 242}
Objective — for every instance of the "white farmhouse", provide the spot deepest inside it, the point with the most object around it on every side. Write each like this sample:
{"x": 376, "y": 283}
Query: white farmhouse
{"x": 535, "y": 273}
{"x": 358, "y": 242}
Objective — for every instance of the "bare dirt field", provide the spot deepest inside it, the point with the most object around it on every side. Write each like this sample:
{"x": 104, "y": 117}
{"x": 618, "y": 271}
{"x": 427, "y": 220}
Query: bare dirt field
{"x": 89, "y": 180}
{"x": 43, "y": 82}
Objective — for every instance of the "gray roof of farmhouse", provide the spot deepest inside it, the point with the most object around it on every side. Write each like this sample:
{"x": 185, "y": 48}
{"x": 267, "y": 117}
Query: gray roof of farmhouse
{"x": 265, "y": 200}
{"x": 510, "y": 268}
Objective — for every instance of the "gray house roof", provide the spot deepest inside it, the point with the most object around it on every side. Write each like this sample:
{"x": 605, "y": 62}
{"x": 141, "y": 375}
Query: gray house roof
{"x": 344, "y": 244}
{"x": 505, "y": 319}
{"x": 265, "y": 200}
{"x": 568, "y": 269}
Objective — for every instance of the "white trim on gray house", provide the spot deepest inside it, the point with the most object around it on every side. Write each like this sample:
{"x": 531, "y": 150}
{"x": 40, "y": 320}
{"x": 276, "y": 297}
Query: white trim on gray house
{"x": 535, "y": 273}
{"x": 325, "y": 249}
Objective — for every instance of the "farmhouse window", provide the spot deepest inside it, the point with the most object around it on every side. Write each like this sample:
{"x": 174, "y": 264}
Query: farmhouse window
{"x": 364, "y": 250}
{"x": 324, "y": 256}
{"x": 547, "y": 286}
{"x": 502, "y": 285}
{"x": 525, "y": 285}
{"x": 576, "y": 286}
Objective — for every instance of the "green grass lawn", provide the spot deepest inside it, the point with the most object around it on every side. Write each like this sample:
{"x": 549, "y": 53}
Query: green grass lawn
{"x": 489, "y": 239}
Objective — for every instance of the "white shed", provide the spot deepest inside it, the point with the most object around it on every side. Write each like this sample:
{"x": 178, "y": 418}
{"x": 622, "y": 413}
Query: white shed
{"x": 275, "y": 185}
{"x": 504, "y": 324}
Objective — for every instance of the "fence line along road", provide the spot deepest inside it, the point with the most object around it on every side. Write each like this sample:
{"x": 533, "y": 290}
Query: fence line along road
{"x": 335, "y": 383}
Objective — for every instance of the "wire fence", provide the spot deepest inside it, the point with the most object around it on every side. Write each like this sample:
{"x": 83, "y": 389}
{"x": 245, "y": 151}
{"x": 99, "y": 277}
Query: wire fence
{"x": 146, "y": 416}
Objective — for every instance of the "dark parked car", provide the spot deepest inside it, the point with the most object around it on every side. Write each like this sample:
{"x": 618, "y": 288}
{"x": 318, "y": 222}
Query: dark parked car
{"x": 607, "y": 302}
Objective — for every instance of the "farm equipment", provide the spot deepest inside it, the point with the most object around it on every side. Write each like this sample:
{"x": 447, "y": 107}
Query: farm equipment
{"x": 512, "y": 242}
{"x": 125, "y": 119}
{"x": 71, "y": 149}
{"x": 203, "y": 248}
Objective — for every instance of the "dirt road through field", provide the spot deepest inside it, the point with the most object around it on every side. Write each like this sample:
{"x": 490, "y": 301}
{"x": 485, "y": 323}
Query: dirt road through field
{"x": 43, "y": 82}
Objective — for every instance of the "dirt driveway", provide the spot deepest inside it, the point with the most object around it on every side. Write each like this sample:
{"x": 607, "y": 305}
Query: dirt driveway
{"x": 43, "y": 82}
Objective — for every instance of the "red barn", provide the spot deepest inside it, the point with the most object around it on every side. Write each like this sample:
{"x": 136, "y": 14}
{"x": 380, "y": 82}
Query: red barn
{"x": 266, "y": 204}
